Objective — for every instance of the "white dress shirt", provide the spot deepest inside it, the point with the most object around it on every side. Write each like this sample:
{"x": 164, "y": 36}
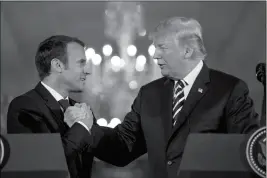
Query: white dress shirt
{"x": 191, "y": 77}
{"x": 58, "y": 97}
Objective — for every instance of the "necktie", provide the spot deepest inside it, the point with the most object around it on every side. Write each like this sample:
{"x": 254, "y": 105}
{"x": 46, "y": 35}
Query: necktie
{"x": 64, "y": 103}
{"x": 178, "y": 99}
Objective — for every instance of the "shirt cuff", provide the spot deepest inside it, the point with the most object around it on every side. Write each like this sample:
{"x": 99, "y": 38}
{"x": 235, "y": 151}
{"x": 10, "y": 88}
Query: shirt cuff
{"x": 84, "y": 125}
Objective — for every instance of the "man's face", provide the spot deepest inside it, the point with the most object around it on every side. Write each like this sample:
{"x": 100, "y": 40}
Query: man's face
{"x": 75, "y": 72}
{"x": 170, "y": 56}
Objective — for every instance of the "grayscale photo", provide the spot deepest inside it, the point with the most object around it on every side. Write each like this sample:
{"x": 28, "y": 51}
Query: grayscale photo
{"x": 133, "y": 89}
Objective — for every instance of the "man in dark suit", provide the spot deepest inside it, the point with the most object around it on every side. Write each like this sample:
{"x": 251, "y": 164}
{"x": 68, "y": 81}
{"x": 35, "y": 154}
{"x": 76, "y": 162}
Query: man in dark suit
{"x": 190, "y": 98}
{"x": 61, "y": 64}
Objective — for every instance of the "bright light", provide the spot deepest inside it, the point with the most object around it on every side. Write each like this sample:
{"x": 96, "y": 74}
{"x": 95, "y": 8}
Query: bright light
{"x": 114, "y": 122}
{"x": 156, "y": 61}
{"x": 122, "y": 63}
{"x": 96, "y": 59}
{"x": 89, "y": 53}
{"x": 102, "y": 122}
{"x": 115, "y": 61}
{"x": 131, "y": 50}
{"x": 107, "y": 50}
{"x": 141, "y": 60}
{"x": 151, "y": 50}
{"x": 133, "y": 85}
{"x": 140, "y": 63}
{"x": 139, "y": 68}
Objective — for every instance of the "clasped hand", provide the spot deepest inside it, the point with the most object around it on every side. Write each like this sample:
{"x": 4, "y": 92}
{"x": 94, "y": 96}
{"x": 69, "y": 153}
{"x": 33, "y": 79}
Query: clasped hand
{"x": 80, "y": 112}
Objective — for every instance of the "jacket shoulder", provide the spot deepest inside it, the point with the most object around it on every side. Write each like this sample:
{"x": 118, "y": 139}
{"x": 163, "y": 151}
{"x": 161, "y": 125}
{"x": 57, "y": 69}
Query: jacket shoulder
{"x": 26, "y": 100}
{"x": 155, "y": 83}
{"x": 222, "y": 78}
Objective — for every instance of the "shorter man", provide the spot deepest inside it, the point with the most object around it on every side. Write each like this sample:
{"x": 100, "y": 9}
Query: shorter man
{"x": 61, "y": 64}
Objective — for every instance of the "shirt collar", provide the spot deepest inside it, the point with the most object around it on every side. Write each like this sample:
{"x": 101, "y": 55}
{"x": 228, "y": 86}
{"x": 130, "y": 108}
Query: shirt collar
{"x": 191, "y": 77}
{"x": 53, "y": 92}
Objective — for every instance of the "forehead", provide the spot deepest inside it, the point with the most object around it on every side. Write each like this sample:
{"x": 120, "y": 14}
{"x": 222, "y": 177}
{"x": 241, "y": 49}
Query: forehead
{"x": 75, "y": 50}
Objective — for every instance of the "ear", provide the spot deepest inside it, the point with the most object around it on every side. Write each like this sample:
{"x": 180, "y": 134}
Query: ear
{"x": 188, "y": 52}
{"x": 57, "y": 65}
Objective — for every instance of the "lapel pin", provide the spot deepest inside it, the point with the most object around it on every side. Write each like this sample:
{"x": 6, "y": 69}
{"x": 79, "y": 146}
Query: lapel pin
{"x": 200, "y": 90}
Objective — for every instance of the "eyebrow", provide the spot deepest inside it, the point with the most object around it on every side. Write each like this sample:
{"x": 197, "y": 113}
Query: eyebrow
{"x": 161, "y": 45}
{"x": 82, "y": 60}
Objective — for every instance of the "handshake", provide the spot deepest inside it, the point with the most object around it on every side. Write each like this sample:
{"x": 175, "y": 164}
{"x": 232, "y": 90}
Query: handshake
{"x": 80, "y": 113}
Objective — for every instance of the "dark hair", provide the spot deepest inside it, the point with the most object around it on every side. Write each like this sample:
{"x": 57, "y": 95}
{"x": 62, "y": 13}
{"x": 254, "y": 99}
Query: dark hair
{"x": 50, "y": 48}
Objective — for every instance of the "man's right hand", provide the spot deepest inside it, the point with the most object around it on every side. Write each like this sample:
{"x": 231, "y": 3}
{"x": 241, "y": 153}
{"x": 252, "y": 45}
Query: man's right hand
{"x": 80, "y": 113}
{"x": 89, "y": 118}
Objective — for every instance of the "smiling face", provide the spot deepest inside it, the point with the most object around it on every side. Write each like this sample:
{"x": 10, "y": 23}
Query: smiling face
{"x": 75, "y": 72}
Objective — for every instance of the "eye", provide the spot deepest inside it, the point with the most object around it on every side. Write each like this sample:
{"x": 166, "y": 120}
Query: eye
{"x": 162, "y": 47}
{"x": 82, "y": 62}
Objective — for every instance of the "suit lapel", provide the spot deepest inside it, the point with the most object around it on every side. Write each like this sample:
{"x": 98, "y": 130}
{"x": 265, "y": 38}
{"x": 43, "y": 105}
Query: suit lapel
{"x": 197, "y": 91}
{"x": 50, "y": 102}
{"x": 166, "y": 107}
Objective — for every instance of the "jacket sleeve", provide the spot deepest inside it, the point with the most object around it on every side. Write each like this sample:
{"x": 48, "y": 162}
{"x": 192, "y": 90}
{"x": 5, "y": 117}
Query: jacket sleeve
{"x": 24, "y": 116}
{"x": 240, "y": 113}
{"x": 124, "y": 143}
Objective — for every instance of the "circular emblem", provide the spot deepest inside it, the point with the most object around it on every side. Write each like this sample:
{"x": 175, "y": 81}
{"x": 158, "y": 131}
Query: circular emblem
{"x": 4, "y": 151}
{"x": 256, "y": 152}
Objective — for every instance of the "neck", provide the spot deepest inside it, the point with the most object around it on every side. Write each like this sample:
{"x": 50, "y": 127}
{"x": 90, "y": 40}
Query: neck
{"x": 53, "y": 83}
{"x": 191, "y": 64}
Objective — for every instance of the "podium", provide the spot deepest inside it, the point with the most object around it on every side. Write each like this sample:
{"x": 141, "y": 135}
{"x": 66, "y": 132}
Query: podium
{"x": 35, "y": 155}
{"x": 215, "y": 156}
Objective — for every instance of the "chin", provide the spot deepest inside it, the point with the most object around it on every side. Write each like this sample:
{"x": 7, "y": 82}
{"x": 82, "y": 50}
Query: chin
{"x": 164, "y": 73}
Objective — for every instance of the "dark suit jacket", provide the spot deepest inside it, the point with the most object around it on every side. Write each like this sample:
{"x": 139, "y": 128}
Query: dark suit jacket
{"x": 223, "y": 106}
{"x": 38, "y": 112}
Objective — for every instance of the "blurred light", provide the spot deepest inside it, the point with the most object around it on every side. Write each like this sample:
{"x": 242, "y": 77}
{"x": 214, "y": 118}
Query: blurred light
{"x": 156, "y": 61}
{"x": 115, "y": 61}
{"x": 139, "y": 68}
{"x": 115, "y": 68}
{"x": 102, "y": 122}
{"x": 122, "y": 63}
{"x": 114, "y": 122}
{"x": 107, "y": 50}
{"x": 142, "y": 33}
{"x": 151, "y": 50}
{"x": 131, "y": 50}
{"x": 96, "y": 59}
{"x": 89, "y": 53}
{"x": 141, "y": 60}
{"x": 133, "y": 85}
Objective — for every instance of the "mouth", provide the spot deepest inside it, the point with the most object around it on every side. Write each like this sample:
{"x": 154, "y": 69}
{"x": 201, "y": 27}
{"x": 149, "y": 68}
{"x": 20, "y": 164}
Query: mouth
{"x": 83, "y": 79}
{"x": 161, "y": 65}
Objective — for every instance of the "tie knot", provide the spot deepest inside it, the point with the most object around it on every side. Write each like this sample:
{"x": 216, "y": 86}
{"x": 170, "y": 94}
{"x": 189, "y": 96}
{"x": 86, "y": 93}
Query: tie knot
{"x": 64, "y": 103}
{"x": 180, "y": 83}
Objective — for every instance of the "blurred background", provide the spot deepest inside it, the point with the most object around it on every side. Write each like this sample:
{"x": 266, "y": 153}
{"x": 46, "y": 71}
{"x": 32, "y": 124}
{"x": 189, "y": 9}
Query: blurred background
{"x": 116, "y": 34}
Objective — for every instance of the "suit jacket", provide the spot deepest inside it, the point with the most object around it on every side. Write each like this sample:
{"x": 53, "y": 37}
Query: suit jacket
{"x": 216, "y": 103}
{"x": 38, "y": 112}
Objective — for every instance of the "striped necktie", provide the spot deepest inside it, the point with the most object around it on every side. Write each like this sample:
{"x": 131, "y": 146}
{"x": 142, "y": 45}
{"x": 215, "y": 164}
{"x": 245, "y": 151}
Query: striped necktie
{"x": 178, "y": 99}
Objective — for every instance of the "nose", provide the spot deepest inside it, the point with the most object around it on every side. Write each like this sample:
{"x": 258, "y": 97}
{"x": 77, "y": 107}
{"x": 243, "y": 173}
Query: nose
{"x": 87, "y": 70}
